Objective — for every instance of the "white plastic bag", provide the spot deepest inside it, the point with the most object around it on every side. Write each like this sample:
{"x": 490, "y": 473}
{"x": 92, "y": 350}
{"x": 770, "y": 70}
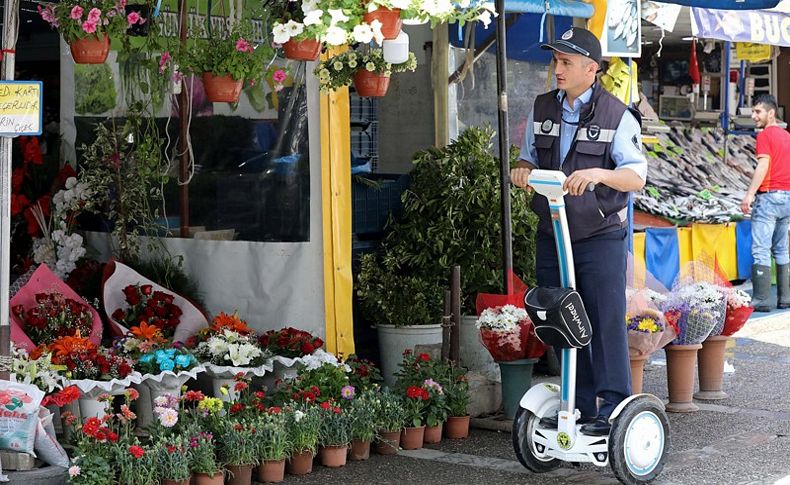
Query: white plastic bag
{"x": 19, "y": 404}
{"x": 47, "y": 446}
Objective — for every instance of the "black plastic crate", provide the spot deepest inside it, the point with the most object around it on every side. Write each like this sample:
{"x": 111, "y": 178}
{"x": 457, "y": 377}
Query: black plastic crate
{"x": 372, "y": 206}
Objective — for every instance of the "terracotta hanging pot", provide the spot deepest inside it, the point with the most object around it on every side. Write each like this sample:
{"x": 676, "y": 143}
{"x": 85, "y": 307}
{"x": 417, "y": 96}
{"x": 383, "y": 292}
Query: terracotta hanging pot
{"x": 370, "y": 84}
{"x": 360, "y": 450}
{"x": 412, "y": 438}
{"x": 680, "y": 377}
{"x": 710, "y": 362}
{"x": 333, "y": 456}
{"x": 637, "y": 373}
{"x": 457, "y": 427}
{"x": 204, "y": 479}
{"x": 300, "y": 464}
{"x": 387, "y": 443}
{"x": 90, "y": 50}
{"x": 390, "y": 21}
{"x": 271, "y": 471}
{"x": 222, "y": 89}
{"x": 302, "y": 50}
{"x": 433, "y": 434}
{"x": 239, "y": 474}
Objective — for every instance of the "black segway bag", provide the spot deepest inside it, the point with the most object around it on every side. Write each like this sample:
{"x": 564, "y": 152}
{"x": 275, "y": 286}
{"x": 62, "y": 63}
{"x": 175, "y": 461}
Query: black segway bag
{"x": 559, "y": 317}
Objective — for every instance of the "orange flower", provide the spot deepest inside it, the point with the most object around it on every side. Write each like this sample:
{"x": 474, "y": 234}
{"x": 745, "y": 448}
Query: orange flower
{"x": 230, "y": 322}
{"x": 148, "y": 332}
{"x": 70, "y": 344}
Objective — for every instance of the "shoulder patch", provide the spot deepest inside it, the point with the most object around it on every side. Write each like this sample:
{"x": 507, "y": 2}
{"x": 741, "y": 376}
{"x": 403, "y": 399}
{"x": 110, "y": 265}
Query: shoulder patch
{"x": 635, "y": 141}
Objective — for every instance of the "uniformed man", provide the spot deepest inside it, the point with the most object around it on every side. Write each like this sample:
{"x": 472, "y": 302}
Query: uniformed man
{"x": 592, "y": 136}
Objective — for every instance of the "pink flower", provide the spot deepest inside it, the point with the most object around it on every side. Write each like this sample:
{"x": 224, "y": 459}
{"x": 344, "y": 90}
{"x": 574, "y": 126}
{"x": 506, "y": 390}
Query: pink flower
{"x": 76, "y": 12}
{"x": 48, "y": 14}
{"x": 133, "y": 18}
{"x": 243, "y": 46}
{"x": 163, "y": 61}
{"x": 74, "y": 471}
{"x": 94, "y": 15}
{"x": 279, "y": 76}
{"x": 89, "y": 27}
{"x": 123, "y": 3}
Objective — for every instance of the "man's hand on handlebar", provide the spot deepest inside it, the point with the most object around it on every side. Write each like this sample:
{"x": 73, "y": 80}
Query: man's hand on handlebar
{"x": 580, "y": 180}
{"x": 520, "y": 177}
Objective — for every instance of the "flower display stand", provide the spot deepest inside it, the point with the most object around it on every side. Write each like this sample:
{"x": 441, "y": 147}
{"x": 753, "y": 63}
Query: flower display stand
{"x": 637, "y": 372}
{"x": 90, "y": 390}
{"x": 680, "y": 377}
{"x": 90, "y": 50}
{"x": 516, "y": 380}
{"x": 153, "y": 386}
{"x": 710, "y": 365}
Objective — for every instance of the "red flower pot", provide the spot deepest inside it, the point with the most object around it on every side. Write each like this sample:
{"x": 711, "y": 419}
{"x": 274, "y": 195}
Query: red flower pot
{"x": 302, "y": 50}
{"x": 370, "y": 84}
{"x": 271, "y": 471}
{"x": 360, "y": 450}
{"x": 433, "y": 434}
{"x": 412, "y": 438}
{"x": 387, "y": 443}
{"x": 333, "y": 456}
{"x": 300, "y": 464}
{"x": 222, "y": 89}
{"x": 90, "y": 50}
{"x": 176, "y": 482}
{"x": 389, "y": 18}
{"x": 203, "y": 479}
{"x": 457, "y": 427}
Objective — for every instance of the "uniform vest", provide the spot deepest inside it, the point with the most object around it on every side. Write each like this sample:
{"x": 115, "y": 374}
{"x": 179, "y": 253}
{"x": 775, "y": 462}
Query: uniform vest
{"x": 592, "y": 213}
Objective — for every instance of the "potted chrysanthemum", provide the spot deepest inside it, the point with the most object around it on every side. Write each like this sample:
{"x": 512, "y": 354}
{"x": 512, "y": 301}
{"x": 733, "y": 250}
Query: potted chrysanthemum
{"x": 368, "y": 70}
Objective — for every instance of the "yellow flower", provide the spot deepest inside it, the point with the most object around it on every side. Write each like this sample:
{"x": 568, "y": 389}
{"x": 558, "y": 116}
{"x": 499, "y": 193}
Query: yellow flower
{"x": 224, "y": 390}
{"x": 648, "y": 325}
{"x": 211, "y": 404}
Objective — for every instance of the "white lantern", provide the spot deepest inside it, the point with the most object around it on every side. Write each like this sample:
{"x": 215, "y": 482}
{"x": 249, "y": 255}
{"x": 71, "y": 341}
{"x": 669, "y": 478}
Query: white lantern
{"x": 396, "y": 51}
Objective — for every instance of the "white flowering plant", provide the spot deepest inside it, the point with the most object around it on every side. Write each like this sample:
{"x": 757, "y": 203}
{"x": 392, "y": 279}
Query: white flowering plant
{"x": 439, "y": 11}
{"x": 507, "y": 333}
{"x": 303, "y": 422}
{"x": 231, "y": 348}
{"x": 737, "y": 299}
{"x": 332, "y": 22}
{"x": 40, "y": 372}
{"x": 503, "y": 318}
{"x": 339, "y": 70}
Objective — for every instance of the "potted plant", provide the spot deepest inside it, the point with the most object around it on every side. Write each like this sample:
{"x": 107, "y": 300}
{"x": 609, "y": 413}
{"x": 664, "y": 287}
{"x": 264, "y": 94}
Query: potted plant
{"x": 364, "y": 423}
{"x": 135, "y": 464}
{"x": 274, "y": 445}
{"x": 388, "y": 13}
{"x": 87, "y": 26}
{"x": 237, "y": 448}
{"x": 456, "y": 391}
{"x": 435, "y": 412}
{"x": 288, "y": 346}
{"x": 390, "y": 417}
{"x": 303, "y": 424}
{"x": 172, "y": 461}
{"x": 415, "y": 401}
{"x": 367, "y": 69}
{"x": 364, "y": 374}
{"x": 302, "y": 27}
{"x": 203, "y": 463}
{"x": 226, "y": 61}
{"x": 334, "y": 435}
{"x": 710, "y": 358}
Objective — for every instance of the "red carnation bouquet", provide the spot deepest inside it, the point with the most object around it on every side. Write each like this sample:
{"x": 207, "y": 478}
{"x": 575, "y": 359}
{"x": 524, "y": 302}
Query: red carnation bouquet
{"x": 53, "y": 316}
{"x": 151, "y": 306}
{"x": 290, "y": 342}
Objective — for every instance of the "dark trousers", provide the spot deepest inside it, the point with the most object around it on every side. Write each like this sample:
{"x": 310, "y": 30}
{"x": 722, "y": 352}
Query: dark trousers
{"x": 602, "y": 368}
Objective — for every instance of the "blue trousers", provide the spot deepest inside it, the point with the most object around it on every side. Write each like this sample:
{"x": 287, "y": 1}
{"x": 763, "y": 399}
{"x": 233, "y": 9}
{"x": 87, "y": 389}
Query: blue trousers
{"x": 602, "y": 368}
{"x": 770, "y": 223}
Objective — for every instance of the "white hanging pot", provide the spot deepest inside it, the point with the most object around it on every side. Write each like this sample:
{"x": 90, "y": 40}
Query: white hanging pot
{"x": 396, "y": 51}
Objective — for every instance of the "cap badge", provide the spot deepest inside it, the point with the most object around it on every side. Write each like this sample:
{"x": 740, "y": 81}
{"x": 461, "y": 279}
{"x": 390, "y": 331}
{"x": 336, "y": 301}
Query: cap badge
{"x": 567, "y": 35}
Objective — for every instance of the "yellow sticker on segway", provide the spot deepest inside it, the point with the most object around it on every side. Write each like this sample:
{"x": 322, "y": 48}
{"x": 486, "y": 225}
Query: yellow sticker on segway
{"x": 552, "y": 387}
{"x": 564, "y": 440}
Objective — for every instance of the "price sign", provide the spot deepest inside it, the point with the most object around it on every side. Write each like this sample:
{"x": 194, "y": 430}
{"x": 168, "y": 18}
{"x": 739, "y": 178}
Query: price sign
{"x": 20, "y": 108}
{"x": 706, "y": 83}
{"x": 749, "y": 86}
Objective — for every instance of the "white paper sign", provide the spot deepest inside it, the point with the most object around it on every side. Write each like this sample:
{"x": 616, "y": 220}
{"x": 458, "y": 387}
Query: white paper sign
{"x": 21, "y": 108}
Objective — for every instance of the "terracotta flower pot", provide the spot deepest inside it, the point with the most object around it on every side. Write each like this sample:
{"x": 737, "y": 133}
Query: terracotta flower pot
{"x": 239, "y": 474}
{"x": 176, "y": 482}
{"x": 370, "y": 84}
{"x": 302, "y": 50}
{"x": 412, "y": 438}
{"x": 389, "y": 18}
{"x": 222, "y": 89}
{"x": 360, "y": 450}
{"x": 457, "y": 427}
{"x": 90, "y": 50}
{"x": 680, "y": 377}
{"x": 203, "y": 479}
{"x": 637, "y": 373}
{"x": 387, "y": 443}
{"x": 710, "y": 366}
{"x": 433, "y": 434}
{"x": 271, "y": 471}
{"x": 300, "y": 464}
{"x": 333, "y": 456}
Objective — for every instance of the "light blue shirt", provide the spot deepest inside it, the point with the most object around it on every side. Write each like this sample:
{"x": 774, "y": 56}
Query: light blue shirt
{"x": 625, "y": 153}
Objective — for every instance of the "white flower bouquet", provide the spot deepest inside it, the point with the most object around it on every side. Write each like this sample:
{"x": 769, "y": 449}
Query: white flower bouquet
{"x": 507, "y": 333}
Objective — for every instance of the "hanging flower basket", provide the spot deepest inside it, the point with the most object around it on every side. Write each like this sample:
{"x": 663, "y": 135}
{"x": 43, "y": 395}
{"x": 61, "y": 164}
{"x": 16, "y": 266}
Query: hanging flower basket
{"x": 370, "y": 84}
{"x": 90, "y": 50}
{"x": 222, "y": 89}
{"x": 389, "y": 18}
{"x": 302, "y": 50}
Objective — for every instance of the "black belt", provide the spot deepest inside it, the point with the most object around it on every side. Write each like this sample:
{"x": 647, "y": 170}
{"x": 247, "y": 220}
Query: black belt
{"x": 760, "y": 192}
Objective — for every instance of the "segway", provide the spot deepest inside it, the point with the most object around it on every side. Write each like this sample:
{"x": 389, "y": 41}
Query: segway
{"x": 639, "y": 438}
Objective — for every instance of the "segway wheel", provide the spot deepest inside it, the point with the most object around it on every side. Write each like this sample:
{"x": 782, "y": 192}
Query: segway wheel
{"x": 527, "y": 451}
{"x": 638, "y": 441}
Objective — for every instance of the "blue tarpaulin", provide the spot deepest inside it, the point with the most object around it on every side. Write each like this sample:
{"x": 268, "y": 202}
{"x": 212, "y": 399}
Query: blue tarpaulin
{"x": 560, "y": 8}
{"x": 662, "y": 254}
{"x": 727, "y": 4}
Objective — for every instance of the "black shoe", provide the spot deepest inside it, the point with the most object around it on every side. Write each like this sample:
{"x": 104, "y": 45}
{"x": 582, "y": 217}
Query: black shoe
{"x": 552, "y": 422}
{"x": 599, "y": 427}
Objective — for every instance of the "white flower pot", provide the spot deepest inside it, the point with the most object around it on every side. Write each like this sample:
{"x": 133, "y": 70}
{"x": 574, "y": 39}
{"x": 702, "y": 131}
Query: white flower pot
{"x": 474, "y": 355}
{"x": 90, "y": 407}
{"x": 394, "y": 340}
{"x": 218, "y": 382}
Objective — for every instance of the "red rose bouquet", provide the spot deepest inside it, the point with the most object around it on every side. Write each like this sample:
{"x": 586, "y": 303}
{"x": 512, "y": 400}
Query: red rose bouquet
{"x": 739, "y": 309}
{"x": 54, "y": 316}
{"x": 290, "y": 342}
{"x": 85, "y": 360}
{"x": 148, "y": 305}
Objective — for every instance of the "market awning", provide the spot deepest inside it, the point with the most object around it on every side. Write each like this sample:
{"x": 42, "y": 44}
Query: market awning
{"x": 560, "y": 8}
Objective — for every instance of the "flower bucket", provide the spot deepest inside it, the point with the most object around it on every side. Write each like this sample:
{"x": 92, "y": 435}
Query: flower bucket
{"x": 387, "y": 443}
{"x": 710, "y": 366}
{"x": 412, "y": 438}
{"x": 394, "y": 340}
{"x": 91, "y": 390}
{"x": 239, "y": 474}
{"x": 680, "y": 377}
{"x": 360, "y": 450}
{"x": 389, "y": 18}
{"x": 271, "y": 471}
{"x": 433, "y": 434}
{"x": 302, "y": 50}
{"x": 222, "y": 89}
{"x": 516, "y": 380}
{"x": 300, "y": 464}
{"x": 370, "y": 84}
{"x": 90, "y": 50}
{"x": 333, "y": 456}
{"x": 457, "y": 427}
{"x": 204, "y": 479}
{"x": 637, "y": 372}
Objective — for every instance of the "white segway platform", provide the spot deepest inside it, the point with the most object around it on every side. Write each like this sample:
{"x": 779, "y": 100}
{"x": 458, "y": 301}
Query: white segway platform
{"x": 639, "y": 438}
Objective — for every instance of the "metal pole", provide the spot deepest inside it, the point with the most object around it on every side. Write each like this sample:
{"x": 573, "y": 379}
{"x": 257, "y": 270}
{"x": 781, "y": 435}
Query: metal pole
{"x": 183, "y": 132}
{"x": 10, "y": 30}
{"x": 630, "y": 210}
{"x": 447, "y": 324}
{"x": 504, "y": 145}
{"x": 725, "y": 116}
{"x": 455, "y": 305}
